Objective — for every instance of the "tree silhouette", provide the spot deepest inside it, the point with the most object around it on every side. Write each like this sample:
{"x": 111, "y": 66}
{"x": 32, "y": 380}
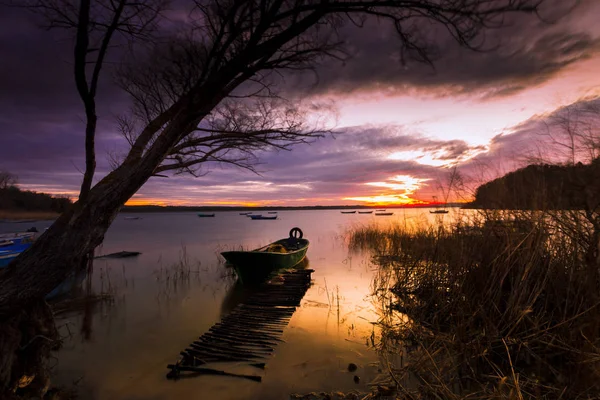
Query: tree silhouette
{"x": 7, "y": 179}
{"x": 203, "y": 95}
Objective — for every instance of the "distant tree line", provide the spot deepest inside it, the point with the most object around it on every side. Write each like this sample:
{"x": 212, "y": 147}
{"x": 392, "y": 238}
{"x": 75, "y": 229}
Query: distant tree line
{"x": 545, "y": 187}
{"x": 13, "y": 198}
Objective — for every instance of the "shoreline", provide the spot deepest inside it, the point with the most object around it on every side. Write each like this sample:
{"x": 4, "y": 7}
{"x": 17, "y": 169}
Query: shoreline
{"x": 154, "y": 208}
{"x": 18, "y": 216}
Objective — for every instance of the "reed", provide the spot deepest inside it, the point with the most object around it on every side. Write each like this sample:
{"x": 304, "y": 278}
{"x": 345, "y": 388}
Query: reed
{"x": 501, "y": 306}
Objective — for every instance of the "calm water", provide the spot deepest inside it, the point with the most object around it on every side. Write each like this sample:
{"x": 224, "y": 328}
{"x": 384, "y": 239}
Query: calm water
{"x": 119, "y": 350}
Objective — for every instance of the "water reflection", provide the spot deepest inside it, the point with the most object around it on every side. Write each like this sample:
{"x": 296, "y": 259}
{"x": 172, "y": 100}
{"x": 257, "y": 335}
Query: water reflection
{"x": 154, "y": 305}
{"x": 239, "y": 292}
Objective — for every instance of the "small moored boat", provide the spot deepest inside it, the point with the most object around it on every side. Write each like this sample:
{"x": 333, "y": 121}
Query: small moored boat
{"x": 262, "y": 217}
{"x": 245, "y": 213}
{"x": 15, "y": 238}
{"x": 206, "y": 215}
{"x": 7, "y": 256}
{"x": 256, "y": 265}
{"x": 439, "y": 210}
{"x": 348, "y": 212}
{"x": 384, "y": 213}
{"x": 365, "y": 212}
{"x": 13, "y": 244}
{"x": 272, "y": 212}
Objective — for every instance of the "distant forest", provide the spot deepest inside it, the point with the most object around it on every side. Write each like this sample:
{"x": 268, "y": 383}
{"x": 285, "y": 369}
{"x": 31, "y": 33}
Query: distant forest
{"x": 14, "y": 199}
{"x": 544, "y": 186}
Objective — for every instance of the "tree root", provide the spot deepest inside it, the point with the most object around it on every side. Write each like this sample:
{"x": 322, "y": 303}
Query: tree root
{"x": 26, "y": 341}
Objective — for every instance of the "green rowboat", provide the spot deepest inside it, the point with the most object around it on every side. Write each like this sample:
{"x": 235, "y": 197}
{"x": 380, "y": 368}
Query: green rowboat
{"x": 258, "y": 264}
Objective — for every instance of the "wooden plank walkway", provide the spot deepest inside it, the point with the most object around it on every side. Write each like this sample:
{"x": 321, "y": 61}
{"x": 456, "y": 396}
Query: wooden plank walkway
{"x": 250, "y": 332}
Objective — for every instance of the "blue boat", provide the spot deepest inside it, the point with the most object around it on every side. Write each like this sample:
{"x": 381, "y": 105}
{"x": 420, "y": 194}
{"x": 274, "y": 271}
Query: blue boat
{"x": 7, "y": 256}
{"x": 9, "y": 240}
{"x": 13, "y": 244}
{"x": 63, "y": 288}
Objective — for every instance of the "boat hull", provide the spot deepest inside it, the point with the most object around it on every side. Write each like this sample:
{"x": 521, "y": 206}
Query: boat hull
{"x": 12, "y": 246}
{"x": 7, "y": 257}
{"x": 257, "y": 265}
{"x": 262, "y": 217}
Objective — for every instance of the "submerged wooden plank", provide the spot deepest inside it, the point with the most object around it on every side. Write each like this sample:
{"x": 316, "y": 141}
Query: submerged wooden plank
{"x": 250, "y": 331}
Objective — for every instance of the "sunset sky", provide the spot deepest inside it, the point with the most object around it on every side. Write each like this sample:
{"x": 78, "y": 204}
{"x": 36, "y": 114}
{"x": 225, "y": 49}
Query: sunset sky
{"x": 399, "y": 128}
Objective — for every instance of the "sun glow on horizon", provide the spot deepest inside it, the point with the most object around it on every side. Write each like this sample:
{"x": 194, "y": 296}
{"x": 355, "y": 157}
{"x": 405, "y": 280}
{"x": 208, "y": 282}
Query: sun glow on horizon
{"x": 192, "y": 202}
{"x": 400, "y": 183}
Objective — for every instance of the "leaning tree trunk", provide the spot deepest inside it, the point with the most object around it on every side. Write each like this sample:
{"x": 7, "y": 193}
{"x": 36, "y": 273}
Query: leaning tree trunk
{"x": 77, "y": 232}
{"x": 27, "y": 331}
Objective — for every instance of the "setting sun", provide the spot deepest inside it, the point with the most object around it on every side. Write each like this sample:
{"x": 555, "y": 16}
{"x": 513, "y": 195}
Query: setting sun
{"x": 405, "y": 184}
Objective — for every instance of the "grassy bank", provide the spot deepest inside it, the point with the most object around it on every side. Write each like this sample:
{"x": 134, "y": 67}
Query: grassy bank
{"x": 489, "y": 309}
{"x": 16, "y": 215}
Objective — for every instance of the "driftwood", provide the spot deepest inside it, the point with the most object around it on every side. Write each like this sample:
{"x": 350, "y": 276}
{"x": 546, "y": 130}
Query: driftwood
{"x": 262, "y": 339}
{"x": 228, "y": 341}
{"x": 206, "y": 357}
{"x": 248, "y": 328}
{"x": 224, "y": 352}
{"x": 120, "y": 254}
{"x": 233, "y": 349}
{"x": 232, "y": 336}
{"x": 271, "y": 320}
{"x": 245, "y": 331}
{"x": 175, "y": 369}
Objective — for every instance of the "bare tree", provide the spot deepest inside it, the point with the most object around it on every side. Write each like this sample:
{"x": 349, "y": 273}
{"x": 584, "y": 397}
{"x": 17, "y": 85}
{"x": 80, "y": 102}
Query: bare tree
{"x": 98, "y": 25}
{"x": 202, "y": 96}
{"x": 572, "y": 133}
{"x": 7, "y": 179}
{"x": 574, "y": 128}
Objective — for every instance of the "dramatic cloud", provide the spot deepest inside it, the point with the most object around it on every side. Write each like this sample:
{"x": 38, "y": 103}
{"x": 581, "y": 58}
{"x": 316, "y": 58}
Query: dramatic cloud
{"x": 526, "y": 53}
{"x": 478, "y": 111}
{"x": 350, "y": 167}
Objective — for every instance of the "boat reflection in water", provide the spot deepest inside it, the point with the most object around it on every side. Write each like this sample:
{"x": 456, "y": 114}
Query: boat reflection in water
{"x": 257, "y": 265}
{"x": 240, "y": 292}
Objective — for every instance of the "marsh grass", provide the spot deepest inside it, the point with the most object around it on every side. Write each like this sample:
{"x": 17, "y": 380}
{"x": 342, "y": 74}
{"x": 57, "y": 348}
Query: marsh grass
{"x": 177, "y": 276}
{"x": 501, "y": 306}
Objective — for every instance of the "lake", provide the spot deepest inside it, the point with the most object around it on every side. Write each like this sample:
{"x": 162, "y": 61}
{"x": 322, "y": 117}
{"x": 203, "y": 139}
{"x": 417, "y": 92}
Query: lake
{"x": 165, "y": 298}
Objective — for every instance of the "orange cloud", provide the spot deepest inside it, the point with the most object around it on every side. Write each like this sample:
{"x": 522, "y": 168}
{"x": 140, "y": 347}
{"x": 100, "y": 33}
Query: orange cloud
{"x": 405, "y": 184}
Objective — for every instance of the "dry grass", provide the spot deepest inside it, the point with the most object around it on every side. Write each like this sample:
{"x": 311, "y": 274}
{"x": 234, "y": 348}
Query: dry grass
{"x": 488, "y": 309}
{"x": 15, "y": 215}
